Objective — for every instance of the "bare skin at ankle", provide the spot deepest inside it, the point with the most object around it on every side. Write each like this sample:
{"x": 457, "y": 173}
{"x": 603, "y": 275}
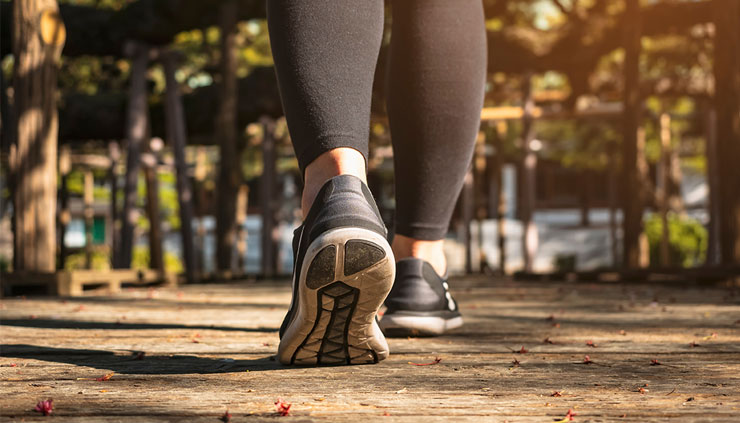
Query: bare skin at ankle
{"x": 431, "y": 251}
{"x": 339, "y": 161}
{"x": 348, "y": 161}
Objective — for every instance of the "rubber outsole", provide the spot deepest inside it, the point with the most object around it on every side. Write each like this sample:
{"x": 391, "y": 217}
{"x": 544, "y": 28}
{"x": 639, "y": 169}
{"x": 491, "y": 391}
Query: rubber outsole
{"x": 346, "y": 275}
{"x": 402, "y": 325}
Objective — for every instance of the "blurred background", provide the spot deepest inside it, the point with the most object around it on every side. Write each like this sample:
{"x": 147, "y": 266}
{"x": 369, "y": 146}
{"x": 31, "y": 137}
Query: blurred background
{"x": 148, "y": 134}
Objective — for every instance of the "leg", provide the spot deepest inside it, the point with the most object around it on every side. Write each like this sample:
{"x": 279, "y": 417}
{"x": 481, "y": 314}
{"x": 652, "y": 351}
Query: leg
{"x": 325, "y": 54}
{"x": 436, "y": 81}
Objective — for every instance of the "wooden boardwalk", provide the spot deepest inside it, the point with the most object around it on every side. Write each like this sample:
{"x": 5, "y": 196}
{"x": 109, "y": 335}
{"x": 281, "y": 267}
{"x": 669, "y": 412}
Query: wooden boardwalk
{"x": 191, "y": 353}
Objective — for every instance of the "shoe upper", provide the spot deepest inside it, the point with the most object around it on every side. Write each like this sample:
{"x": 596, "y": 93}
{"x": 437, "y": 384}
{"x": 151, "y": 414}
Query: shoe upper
{"x": 418, "y": 287}
{"x": 343, "y": 201}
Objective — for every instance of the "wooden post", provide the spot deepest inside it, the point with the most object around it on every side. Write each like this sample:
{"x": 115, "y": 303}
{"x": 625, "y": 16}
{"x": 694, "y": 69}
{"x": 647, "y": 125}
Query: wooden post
{"x": 710, "y": 127}
{"x": 38, "y": 38}
{"x": 114, "y": 152}
{"x": 501, "y": 129}
{"x": 529, "y": 169}
{"x": 613, "y": 201}
{"x": 65, "y": 166}
{"x": 89, "y": 214}
{"x": 136, "y": 132}
{"x": 583, "y": 197}
{"x": 632, "y": 201}
{"x": 176, "y": 135}
{"x": 229, "y": 176}
{"x": 727, "y": 105}
{"x": 664, "y": 171}
{"x": 156, "y": 257}
{"x": 267, "y": 195}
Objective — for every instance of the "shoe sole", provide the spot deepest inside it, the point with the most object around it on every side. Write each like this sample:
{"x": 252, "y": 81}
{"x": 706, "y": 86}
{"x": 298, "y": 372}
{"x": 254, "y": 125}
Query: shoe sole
{"x": 400, "y": 325}
{"x": 345, "y": 277}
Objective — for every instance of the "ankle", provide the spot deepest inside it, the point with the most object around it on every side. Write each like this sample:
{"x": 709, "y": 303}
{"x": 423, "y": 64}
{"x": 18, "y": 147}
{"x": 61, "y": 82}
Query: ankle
{"x": 339, "y": 161}
{"x": 431, "y": 251}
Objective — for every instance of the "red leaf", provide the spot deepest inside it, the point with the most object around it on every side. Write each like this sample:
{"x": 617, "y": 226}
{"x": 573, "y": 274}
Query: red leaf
{"x": 385, "y": 413}
{"x": 522, "y": 350}
{"x": 436, "y": 361}
{"x": 45, "y": 407}
{"x": 655, "y": 362}
{"x": 587, "y": 360}
{"x": 591, "y": 344}
{"x": 568, "y": 417}
{"x": 105, "y": 377}
{"x": 283, "y": 408}
{"x": 226, "y": 418}
{"x": 557, "y": 394}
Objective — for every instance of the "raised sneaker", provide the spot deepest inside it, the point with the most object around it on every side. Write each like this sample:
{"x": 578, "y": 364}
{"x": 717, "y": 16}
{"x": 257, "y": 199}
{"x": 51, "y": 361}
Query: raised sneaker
{"x": 420, "y": 303}
{"x": 344, "y": 269}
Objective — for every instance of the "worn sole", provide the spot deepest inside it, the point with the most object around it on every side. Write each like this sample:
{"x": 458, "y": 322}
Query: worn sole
{"x": 345, "y": 277}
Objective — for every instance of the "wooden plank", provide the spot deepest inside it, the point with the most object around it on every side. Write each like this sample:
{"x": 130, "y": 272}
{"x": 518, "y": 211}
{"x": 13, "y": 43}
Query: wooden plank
{"x": 207, "y": 348}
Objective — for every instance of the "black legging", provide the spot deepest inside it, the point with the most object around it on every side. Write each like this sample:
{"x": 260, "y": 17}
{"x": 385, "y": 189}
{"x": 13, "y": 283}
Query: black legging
{"x": 325, "y": 54}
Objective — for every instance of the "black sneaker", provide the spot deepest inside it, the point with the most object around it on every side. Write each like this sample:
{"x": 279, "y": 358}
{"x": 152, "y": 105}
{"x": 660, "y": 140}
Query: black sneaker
{"x": 420, "y": 303}
{"x": 344, "y": 269}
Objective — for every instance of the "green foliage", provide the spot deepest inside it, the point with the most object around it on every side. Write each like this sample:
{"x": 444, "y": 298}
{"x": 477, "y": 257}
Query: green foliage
{"x": 100, "y": 259}
{"x": 688, "y": 239}
{"x": 141, "y": 258}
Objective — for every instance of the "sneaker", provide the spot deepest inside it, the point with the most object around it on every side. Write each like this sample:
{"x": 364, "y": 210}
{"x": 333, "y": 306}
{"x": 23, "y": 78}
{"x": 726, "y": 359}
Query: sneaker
{"x": 344, "y": 269}
{"x": 420, "y": 303}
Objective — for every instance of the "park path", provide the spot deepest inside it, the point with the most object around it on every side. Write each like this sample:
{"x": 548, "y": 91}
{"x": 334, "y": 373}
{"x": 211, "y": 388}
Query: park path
{"x": 188, "y": 354}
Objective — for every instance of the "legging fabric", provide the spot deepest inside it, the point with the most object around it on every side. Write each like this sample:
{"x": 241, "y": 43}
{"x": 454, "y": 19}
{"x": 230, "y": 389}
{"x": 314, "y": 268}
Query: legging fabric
{"x": 325, "y": 54}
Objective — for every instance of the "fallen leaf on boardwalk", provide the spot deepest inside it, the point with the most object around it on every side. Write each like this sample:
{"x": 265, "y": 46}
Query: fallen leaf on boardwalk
{"x": 591, "y": 344}
{"x": 80, "y": 308}
{"x": 385, "y": 413}
{"x": 139, "y": 355}
{"x": 45, "y": 407}
{"x": 694, "y": 344}
{"x": 105, "y": 377}
{"x": 226, "y": 417}
{"x": 548, "y": 341}
{"x": 550, "y": 318}
{"x": 587, "y": 360}
{"x": 622, "y": 332}
{"x": 402, "y": 391}
{"x": 655, "y": 362}
{"x": 642, "y": 390}
{"x": 712, "y": 336}
{"x": 516, "y": 363}
{"x": 568, "y": 417}
{"x": 282, "y": 407}
{"x": 13, "y": 365}
{"x": 431, "y": 363}
{"x": 266, "y": 344}
{"x": 556, "y": 325}
{"x": 557, "y": 394}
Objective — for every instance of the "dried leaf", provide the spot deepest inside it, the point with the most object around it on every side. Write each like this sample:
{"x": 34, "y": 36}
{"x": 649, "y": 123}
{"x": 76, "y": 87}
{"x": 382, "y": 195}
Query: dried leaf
{"x": 694, "y": 344}
{"x": 548, "y": 341}
{"x": 436, "y": 361}
{"x": 45, "y": 407}
{"x": 226, "y": 417}
{"x": 568, "y": 417}
{"x": 282, "y": 407}
{"x": 516, "y": 363}
{"x": 591, "y": 344}
{"x": 655, "y": 362}
{"x": 587, "y": 360}
{"x": 105, "y": 377}
{"x": 557, "y": 394}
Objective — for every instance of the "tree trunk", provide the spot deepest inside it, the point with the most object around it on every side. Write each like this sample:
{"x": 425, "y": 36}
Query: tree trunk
{"x": 727, "y": 104}
{"x": 229, "y": 171}
{"x": 710, "y": 130}
{"x": 65, "y": 166}
{"x": 136, "y": 132}
{"x": 114, "y": 152}
{"x": 156, "y": 257}
{"x": 663, "y": 188}
{"x": 613, "y": 195}
{"x": 38, "y": 37}
{"x": 176, "y": 131}
{"x": 631, "y": 189}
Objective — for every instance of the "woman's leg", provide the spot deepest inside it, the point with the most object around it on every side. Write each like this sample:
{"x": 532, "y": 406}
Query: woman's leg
{"x": 436, "y": 80}
{"x": 325, "y": 54}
